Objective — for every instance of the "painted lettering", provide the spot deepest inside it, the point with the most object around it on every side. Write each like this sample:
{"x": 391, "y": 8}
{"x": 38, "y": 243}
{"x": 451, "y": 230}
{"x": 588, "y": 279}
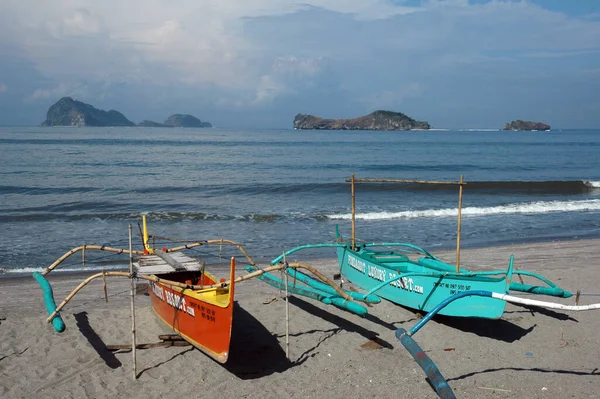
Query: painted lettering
{"x": 357, "y": 264}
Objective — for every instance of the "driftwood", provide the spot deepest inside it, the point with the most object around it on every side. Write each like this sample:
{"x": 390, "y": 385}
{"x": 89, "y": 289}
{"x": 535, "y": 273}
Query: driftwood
{"x": 167, "y": 340}
{"x": 163, "y": 344}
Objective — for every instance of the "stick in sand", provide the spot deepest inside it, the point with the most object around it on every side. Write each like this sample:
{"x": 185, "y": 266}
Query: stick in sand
{"x": 132, "y": 306}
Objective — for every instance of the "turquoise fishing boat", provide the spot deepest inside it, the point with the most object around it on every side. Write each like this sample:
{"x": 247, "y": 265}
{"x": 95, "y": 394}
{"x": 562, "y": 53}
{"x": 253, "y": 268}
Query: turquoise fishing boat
{"x": 412, "y": 277}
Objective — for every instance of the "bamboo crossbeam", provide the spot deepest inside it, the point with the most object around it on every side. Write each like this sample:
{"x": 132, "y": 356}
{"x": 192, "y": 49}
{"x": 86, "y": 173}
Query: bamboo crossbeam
{"x": 367, "y": 180}
{"x": 218, "y": 241}
{"x": 124, "y": 251}
{"x": 87, "y": 247}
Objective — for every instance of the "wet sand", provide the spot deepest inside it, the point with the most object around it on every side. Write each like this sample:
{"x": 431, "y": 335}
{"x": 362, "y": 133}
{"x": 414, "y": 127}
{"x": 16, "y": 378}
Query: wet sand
{"x": 333, "y": 354}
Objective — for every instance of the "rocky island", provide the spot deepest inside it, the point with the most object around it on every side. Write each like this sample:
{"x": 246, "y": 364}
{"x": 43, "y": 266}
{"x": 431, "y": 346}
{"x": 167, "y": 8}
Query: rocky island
{"x": 378, "y": 120}
{"x": 69, "y": 112}
{"x": 185, "y": 120}
{"x": 147, "y": 123}
{"x": 526, "y": 125}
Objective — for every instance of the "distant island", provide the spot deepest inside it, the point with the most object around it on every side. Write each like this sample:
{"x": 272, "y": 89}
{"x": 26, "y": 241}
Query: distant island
{"x": 378, "y": 120}
{"x": 185, "y": 120}
{"x": 69, "y": 112}
{"x": 526, "y": 125}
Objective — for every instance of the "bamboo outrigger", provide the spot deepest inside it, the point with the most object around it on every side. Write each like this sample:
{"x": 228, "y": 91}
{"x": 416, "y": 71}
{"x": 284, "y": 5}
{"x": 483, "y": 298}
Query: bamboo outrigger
{"x": 189, "y": 299}
{"x": 389, "y": 270}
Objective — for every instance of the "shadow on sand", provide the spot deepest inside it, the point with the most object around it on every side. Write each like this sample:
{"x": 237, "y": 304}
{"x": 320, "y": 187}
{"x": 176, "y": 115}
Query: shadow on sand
{"x": 344, "y": 324}
{"x": 594, "y": 372}
{"x": 99, "y": 346}
{"x": 254, "y": 352}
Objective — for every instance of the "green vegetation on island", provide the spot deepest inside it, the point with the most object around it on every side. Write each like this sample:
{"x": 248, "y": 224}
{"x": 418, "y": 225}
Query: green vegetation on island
{"x": 525, "y": 125}
{"x": 378, "y": 120}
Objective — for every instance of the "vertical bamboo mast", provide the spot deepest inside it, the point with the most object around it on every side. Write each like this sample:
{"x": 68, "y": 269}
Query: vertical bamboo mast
{"x": 287, "y": 313}
{"x": 132, "y": 293}
{"x": 460, "y": 193}
{"x": 353, "y": 215}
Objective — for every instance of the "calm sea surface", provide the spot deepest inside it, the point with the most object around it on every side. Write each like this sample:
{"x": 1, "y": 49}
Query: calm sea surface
{"x": 276, "y": 189}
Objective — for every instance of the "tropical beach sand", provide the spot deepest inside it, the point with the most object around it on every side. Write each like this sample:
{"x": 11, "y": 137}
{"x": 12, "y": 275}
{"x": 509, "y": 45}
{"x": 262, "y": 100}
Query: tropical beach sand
{"x": 333, "y": 354}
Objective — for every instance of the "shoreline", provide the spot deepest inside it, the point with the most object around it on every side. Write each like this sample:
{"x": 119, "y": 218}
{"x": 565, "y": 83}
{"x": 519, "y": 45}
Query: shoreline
{"x": 435, "y": 250}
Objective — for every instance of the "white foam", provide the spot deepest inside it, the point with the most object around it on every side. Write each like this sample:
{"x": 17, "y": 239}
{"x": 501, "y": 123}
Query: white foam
{"x": 517, "y": 208}
{"x": 592, "y": 183}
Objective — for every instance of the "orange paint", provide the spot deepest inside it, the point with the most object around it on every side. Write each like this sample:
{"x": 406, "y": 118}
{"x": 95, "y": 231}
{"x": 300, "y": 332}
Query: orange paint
{"x": 203, "y": 318}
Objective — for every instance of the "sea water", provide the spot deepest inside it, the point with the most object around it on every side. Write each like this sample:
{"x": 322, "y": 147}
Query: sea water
{"x": 277, "y": 189}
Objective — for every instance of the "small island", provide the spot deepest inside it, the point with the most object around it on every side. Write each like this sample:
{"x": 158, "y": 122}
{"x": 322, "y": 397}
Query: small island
{"x": 525, "y": 125}
{"x": 378, "y": 120}
{"x": 69, "y": 112}
{"x": 185, "y": 120}
{"x": 147, "y": 123}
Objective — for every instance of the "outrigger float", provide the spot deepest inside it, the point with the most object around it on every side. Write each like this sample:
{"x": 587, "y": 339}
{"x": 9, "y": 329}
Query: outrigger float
{"x": 412, "y": 277}
{"x": 190, "y": 300}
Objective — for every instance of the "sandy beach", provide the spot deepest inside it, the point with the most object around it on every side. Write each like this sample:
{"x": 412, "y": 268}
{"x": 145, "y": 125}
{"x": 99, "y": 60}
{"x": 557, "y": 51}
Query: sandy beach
{"x": 333, "y": 354}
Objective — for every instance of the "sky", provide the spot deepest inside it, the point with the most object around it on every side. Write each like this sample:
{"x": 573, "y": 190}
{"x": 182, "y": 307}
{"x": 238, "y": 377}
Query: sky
{"x": 257, "y": 63}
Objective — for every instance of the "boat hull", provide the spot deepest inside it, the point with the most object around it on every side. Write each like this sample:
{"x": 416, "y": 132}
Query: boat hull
{"x": 203, "y": 318}
{"x": 420, "y": 292}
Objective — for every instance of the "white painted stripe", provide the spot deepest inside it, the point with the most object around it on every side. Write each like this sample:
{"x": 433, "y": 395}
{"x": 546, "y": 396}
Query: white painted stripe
{"x": 542, "y": 304}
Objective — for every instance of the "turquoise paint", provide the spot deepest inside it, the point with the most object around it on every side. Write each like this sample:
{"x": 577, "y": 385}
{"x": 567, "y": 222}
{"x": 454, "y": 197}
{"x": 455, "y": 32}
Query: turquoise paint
{"x": 310, "y": 246}
{"x": 420, "y": 286}
{"x": 57, "y": 322}
{"x": 326, "y": 288}
{"x": 310, "y": 292}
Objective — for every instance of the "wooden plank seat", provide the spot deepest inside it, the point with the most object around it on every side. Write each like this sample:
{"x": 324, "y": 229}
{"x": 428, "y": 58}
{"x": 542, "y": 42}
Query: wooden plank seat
{"x": 164, "y": 263}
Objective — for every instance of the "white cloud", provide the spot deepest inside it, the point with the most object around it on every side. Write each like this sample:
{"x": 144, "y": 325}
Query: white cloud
{"x": 61, "y": 90}
{"x": 255, "y": 53}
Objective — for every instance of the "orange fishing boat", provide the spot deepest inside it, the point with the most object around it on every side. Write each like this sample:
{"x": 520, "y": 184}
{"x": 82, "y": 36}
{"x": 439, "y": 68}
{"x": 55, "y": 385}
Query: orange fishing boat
{"x": 204, "y": 316}
{"x": 192, "y": 302}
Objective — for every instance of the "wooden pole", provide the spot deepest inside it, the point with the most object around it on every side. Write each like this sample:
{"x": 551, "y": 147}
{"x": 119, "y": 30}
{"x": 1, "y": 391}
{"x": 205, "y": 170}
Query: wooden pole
{"x": 365, "y": 180}
{"x": 105, "y": 290}
{"x": 287, "y": 314}
{"x": 132, "y": 294}
{"x": 460, "y": 194}
{"x": 353, "y": 215}
{"x": 83, "y": 255}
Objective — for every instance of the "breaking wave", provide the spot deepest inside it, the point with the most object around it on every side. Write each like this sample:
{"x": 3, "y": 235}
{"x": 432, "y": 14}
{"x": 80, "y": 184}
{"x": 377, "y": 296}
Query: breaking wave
{"x": 517, "y": 208}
